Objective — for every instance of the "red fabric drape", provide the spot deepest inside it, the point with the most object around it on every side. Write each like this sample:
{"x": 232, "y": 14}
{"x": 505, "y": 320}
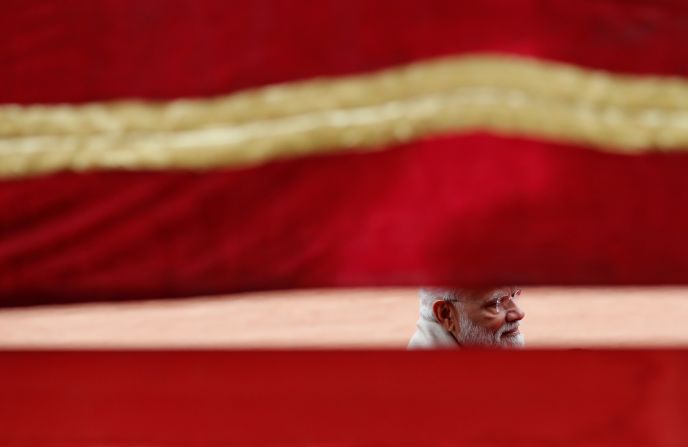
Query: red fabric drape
{"x": 473, "y": 208}
{"x": 80, "y": 50}
{"x": 477, "y": 209}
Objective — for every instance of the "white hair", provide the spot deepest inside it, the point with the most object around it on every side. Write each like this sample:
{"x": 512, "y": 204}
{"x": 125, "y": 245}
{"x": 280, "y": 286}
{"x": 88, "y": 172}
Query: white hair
{"x": 429, "y": 295}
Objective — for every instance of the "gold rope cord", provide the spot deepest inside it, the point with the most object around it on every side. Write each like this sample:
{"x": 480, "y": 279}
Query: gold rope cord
{"x": 507, "y": 95}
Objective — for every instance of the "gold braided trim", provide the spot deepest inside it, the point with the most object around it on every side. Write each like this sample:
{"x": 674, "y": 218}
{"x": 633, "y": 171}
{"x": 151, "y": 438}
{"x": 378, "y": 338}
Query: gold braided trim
{"x": 506, "y": 95}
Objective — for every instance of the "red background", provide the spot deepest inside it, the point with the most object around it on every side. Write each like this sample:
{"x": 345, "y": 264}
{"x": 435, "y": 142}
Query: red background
{"x": 473, "y": 208}
{"x": 80, "y": 50}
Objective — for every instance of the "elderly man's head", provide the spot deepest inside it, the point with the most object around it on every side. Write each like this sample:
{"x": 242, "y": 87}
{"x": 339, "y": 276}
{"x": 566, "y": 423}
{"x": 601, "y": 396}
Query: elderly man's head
{"x": 476, "y": 317}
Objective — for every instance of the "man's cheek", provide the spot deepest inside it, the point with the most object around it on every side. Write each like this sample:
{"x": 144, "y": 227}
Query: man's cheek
{"x": 493, "y": 324}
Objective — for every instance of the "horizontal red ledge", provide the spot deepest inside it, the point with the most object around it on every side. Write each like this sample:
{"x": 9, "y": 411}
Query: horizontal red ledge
{"x": 344, "y": 398}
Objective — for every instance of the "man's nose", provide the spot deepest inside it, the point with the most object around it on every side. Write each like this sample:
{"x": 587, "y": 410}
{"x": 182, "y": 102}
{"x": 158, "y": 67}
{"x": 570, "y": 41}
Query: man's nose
{"x": 515, "y": 313}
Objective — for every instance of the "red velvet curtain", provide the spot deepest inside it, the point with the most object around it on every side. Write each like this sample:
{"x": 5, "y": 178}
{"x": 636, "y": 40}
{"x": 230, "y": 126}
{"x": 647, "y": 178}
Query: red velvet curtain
{"x": 475, "y": 208}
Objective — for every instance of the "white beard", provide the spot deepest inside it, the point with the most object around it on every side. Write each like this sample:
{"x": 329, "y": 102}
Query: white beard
{"x": 473, "y": 335}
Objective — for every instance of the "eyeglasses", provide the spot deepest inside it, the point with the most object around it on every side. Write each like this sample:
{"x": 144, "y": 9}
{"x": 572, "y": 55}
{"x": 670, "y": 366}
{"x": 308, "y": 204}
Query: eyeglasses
{"x": 504, "y": 302}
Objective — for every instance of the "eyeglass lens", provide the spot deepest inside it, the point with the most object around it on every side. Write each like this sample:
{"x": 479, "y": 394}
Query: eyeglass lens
{"x": 508, "y": 301}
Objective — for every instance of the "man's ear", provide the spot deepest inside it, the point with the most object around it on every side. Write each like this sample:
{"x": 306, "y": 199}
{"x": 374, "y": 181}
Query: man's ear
{"x": 444, "y": 314}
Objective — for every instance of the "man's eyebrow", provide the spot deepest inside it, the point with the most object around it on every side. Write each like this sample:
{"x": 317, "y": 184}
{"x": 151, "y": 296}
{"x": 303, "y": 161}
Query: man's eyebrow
{"x": 493, "y": 296}
{"x": 499, "y": 293}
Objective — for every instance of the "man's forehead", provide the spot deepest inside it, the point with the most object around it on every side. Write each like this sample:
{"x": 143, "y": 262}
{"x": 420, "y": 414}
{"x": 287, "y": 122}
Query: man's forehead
{"x": 487, "y": 293}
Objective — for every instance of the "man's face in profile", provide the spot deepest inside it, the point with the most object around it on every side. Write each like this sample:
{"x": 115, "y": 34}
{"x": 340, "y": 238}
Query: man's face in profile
{"x": 489, "y": 317}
